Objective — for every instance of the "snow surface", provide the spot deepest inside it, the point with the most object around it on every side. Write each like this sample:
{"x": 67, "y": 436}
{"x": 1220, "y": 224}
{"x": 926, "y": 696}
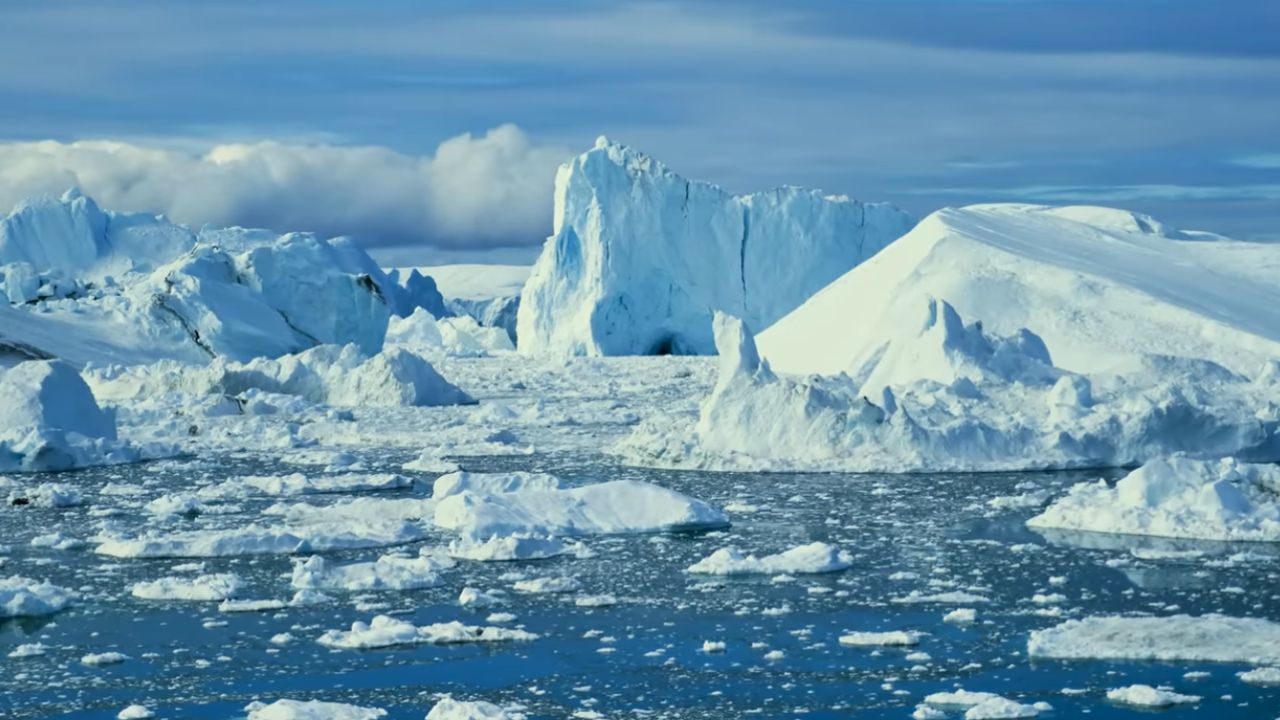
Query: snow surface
{"x": 1215, "y": 638}
{"x": 942, "y": 395}
{"x": 206, "y": 588}
{"x": 460, "y": 336}
{"x": 389, "y": 572}
{"x": 1176, "y": 497}
{"x": 640, "y": 258}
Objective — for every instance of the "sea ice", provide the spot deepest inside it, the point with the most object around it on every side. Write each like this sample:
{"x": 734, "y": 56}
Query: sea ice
{"x": 23, "y": 597}
{"x": 385, "y": 631}
{"x": 1213, "y": 638}
{"x": 816, "y": 557}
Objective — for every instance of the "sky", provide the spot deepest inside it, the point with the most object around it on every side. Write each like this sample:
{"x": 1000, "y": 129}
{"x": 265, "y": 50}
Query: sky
{"x": 431, "y": 131}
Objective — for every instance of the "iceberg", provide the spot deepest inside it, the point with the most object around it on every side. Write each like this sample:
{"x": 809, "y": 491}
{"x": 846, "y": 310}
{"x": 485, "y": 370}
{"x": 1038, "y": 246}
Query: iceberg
{"x": 386, "y": 631}
{"x": 1176, "y": 497}
{"x": 97, "y": 286}
{"x": 50, "y": 420}
{"x": 939, "y": 394}
{"x": 286, "y": 709}
{"x": 640, "y": 257}
{"x": 1099, "y": 286}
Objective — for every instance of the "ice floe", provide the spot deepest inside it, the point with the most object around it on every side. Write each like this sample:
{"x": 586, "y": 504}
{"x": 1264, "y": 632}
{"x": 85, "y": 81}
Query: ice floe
{"x": 1213, "y": 638}
{"x": 261, "y": 540}
{"x": 1176, "y": 497}
{"x": 208, "y": 588}
{"x": 285, "y": 709}
{"x": 385, "y": 631}
{"x": 23, "y": 597}
{"x": 389, "y": 572}
{"x": 816, "y": 557}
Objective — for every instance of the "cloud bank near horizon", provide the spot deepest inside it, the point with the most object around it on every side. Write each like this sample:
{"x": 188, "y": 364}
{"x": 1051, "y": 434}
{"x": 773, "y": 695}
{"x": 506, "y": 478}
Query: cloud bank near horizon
{"x": 473, "y": 192}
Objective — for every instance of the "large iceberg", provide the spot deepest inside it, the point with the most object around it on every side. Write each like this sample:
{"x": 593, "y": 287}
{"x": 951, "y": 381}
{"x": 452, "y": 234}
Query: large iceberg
{"x": 90, "y": 285}
{"x": 640, "y": 257}
{"x": 50, "y": 420}
{"x": 938, "y": 394}
{"x": 1101, "y": 287}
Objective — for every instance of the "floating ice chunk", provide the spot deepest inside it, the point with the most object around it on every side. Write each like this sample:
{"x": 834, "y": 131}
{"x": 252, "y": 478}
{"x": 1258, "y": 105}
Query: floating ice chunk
{"x": 959, "y": 698}
{"x": 953, "y": 597}
{"x": 258, "y": 540}
{"x": 49, "y": 495}
{"x": 1261, "y": 676}
{"x": 299, "y": 484}
{"x": 545, "y": 585}
{"x": 430, "y": 462}
{"x": 595, "y": 601}
{"x": 961, "y": 616}
{"x": 135, "y": 712}
{"x": 508, "y": 547}
{"x": 106, "y": 658}
{"x": 175, "y": 504}
{"x": 713, "y": 646}
{"x": 208, "y": 588}
{"x": 27, "y": 650}
{"x": 236, "y": 606}
{"x": 816, "y": 557}
{"x": 1000, "y": 708}
{"x": 1149, "y": 697}
{"x": 1214, "y": 638}
{"x": 1177, "y": 497}
{"x": 311, "y": 710}
{"x": 890, "y": 637}
{"x": 450, "y": 709}
{"x": 389, "y": 572}
{"x": 385, "y": 631}
{"x": 472, "y": 597}
{"x": 621, "y": 506}
{"x": 22, "y": 597}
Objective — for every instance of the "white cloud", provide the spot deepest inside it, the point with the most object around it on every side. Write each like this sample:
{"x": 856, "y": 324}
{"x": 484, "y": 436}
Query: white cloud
{"x": 485, "y": 191}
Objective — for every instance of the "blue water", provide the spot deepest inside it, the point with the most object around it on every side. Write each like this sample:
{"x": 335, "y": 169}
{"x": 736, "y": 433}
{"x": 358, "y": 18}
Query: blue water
{"x": 937, "y": 527}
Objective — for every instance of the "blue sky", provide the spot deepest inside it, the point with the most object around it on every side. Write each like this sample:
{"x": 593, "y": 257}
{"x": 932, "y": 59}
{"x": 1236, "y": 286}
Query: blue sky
{"x": 1172, "y": 108}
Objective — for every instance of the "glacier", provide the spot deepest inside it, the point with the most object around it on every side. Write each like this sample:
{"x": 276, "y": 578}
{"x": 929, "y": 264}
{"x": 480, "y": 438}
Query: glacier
{"x": 639, "y": 257}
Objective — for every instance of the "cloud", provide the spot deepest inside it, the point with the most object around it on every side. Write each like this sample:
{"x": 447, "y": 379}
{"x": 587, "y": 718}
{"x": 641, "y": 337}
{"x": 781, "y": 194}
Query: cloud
{"x": 1114, "y": 193}
{"x": 1259, "y": 162}
{"x": 473, "y": 192}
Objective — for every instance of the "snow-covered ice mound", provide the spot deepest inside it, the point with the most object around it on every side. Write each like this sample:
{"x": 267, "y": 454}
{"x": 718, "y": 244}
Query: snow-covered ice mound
{"x": 816, "y": 557}
{"x": 640, "y": 258}
{"x": 386, "y": 631}
{"x": 1176, "y": 497}
{"x": 1212, "y": 638}
{"x": 450, "y": 709}
{"x": 941, "y": 395}
{"x": 328, "y": 374}
{"x": 22, "y": 597}
{"x": 106, "y": 287}
{"x": 299, "y": 484}
{"x": 207, "y": 588}
{"x": 460, "y": 336}
{"x": 1096, "y": 284}
{"x": 50, "y": 420}
{"x": 620, "y": 506}
{"x": 286, "y": 709}
{"x": 389, "y": 572}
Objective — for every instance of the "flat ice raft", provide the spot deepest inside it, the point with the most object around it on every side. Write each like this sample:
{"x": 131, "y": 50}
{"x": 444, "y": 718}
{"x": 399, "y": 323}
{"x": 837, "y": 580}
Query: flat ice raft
{"x": 621, "y": 506}
{"x": 1213, "y": 638}
{"x": 258, "y": 540}
{"x": 1176, "y": 497}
